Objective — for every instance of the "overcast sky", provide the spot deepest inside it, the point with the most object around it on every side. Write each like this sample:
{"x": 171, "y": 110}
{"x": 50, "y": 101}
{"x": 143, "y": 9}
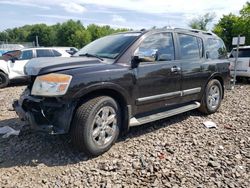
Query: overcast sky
{"x": 134, "y": 14}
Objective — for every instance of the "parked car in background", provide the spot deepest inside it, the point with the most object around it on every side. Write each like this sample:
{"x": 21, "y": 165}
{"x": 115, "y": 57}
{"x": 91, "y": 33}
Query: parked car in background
{"x": 70, "y": 50}
{"x": 124, "y": 80}
{"x": 243, "y": 65}
{"x": 2, "y": 52}
{"x": 13, "y": 69}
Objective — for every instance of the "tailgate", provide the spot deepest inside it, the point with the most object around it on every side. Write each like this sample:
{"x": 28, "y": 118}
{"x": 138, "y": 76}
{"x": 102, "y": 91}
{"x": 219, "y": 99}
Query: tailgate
{"x": 242, "y": 65}
{"x": 243, "y": 59}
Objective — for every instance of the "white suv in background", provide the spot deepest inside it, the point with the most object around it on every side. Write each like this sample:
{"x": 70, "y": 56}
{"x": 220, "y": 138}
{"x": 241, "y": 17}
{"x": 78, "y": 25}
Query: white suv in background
{"x": 243, "y": 65}
{"x": 14, "y": 70}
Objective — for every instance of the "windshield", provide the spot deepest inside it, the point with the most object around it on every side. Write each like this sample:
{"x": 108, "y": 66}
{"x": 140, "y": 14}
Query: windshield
{"x": 109, "y": 46}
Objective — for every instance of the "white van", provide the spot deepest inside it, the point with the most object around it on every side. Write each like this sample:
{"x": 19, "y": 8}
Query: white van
{"x": 243, "y": 65}
{"x": 14, "y": 70}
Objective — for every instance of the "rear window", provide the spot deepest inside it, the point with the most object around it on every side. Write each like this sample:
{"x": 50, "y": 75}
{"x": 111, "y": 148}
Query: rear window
{"x": 44, "y": 53}
{"x": 242, "y": 53}
{"x": 216, "y": 49}
{"x": 56, "y": 53}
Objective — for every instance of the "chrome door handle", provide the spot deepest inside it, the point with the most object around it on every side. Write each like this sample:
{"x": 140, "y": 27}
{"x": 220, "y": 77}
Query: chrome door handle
{"x": 175, "y": 69}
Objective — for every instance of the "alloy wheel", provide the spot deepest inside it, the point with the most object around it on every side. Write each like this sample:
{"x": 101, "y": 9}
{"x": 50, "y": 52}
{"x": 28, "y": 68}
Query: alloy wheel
{"x": 104, "y": 126}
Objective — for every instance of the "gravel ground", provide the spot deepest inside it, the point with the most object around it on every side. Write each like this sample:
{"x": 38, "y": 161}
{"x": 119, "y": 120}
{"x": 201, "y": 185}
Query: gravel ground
{"x": 174, "y": 152}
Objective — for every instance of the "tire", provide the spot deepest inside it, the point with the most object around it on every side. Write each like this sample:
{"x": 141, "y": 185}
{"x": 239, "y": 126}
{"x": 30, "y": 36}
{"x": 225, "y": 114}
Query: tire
{"x": 90, "y": 125}
{"x": 211, "y": 102}
{"x": 4, "y": 80}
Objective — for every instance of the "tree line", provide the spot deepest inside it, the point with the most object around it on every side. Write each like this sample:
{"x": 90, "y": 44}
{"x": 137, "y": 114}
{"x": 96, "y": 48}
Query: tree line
{"x": 228, "y": 26}
{"x": 231, "y": 25}
{"x": 69, "y": 33}
{"x": 73, "y": 33}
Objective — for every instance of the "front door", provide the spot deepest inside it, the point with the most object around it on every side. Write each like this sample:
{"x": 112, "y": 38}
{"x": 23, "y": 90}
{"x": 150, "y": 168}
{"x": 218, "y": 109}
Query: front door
{"x": 17, "y": 68}
{"x": 158, "y": 80}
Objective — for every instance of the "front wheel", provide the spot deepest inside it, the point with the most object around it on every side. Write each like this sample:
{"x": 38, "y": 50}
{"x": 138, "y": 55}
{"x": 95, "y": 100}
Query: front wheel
{"x": 4, "y": 80}
{"x": 96, "y": 125}
{"x": 212, "y": 97}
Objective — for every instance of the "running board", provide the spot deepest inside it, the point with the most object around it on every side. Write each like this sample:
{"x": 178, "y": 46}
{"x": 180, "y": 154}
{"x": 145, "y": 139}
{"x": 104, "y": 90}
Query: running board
{"x": 162, "y": 115}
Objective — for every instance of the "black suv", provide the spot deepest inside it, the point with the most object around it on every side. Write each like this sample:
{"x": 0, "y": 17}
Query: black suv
{"x": 123, "y": 80}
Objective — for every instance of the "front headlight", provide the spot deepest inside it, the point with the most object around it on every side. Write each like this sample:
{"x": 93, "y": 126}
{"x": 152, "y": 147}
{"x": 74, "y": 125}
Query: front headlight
{"x": 51, "y": 85}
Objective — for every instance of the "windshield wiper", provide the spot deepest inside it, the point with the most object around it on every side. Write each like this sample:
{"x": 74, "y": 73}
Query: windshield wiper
{"x": 105, "y": 56}
{"x": 91, "y": 55}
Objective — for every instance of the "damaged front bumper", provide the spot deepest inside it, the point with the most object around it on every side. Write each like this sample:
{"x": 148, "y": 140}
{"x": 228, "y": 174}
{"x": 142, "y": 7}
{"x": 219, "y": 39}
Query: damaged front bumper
{"x": 51, "y": 115}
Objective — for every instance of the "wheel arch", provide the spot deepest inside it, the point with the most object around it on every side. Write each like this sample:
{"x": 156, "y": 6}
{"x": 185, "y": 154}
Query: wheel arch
{"x": 4, "y": 71}
{"x": 7, "y": 81}
{"x": 117, "y": 95}
{"x": 218, "y": 77}
{"x": 4, "y": 67}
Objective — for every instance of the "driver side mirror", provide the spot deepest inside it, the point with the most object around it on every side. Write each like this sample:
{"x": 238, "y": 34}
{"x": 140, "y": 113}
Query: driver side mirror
{"x": 144, "y": 55}
{"x": 12, "y": 55}
{"x": 135, "y": 62}
{"x": 13, "y": 59}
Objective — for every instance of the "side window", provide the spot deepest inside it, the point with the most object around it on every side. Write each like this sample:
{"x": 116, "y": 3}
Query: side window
{"x": 56, "y": 53}
{"x": 160, "y": 46}
{"x": 190, "y": 47}
{"x": 244, "y": 52}
{"x": 216, "y": 49}
{"x": 26, "y": 55}
{"x": 44, "y": 53}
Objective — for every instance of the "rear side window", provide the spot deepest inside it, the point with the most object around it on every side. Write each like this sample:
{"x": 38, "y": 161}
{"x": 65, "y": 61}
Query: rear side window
{"x": 160, "y": 44}
{"x": 216, "y": 49}
{"x": 190, "y": 47}
{"x": 242, "y": 53}
{"x": 44, "y": 53}
{"x": 56, "y": 53}
{"x": 27, "y": 54}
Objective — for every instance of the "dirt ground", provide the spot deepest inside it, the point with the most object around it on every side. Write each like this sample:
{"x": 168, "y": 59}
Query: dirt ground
{"x": 175, "y": 152}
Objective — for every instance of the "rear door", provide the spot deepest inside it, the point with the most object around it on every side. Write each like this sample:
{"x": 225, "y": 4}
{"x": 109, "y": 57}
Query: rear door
{"x": 158, "y": 82}
{"x": 191, "y": 57}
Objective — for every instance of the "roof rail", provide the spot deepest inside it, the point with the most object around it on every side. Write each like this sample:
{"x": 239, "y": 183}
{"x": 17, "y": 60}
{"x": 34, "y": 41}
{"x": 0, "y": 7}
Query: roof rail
{"x": 197, "y": 31}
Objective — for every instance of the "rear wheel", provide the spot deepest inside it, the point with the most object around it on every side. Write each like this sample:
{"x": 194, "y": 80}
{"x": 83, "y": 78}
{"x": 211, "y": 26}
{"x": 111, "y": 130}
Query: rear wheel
{"x": 212, "y": 97}
{"x": 4, "y": 80}
{"x": 96, "y": 125}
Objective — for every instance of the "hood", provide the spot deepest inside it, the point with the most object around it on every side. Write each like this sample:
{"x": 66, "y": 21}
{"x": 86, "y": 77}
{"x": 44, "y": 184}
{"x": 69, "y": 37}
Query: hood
{"x": 52, "y": 64}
